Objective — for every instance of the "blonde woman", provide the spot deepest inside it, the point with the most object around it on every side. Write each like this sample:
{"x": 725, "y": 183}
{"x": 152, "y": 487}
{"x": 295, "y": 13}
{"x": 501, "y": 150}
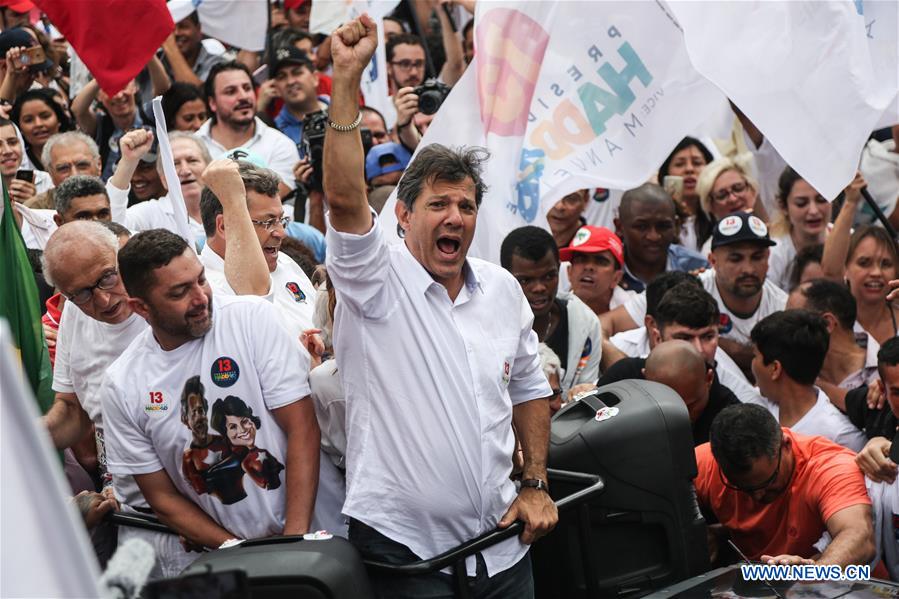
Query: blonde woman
{"x": 726, "y": 185}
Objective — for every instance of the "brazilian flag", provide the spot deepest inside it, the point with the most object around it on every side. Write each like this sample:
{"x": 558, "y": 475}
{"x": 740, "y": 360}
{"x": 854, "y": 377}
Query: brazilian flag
{"x": 20, "y": 307}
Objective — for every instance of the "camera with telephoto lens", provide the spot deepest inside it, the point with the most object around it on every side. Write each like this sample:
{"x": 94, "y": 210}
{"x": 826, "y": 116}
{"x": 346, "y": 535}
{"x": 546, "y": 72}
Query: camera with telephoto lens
{"x": 313, "y": 146}
{"x": 431, "y": 95}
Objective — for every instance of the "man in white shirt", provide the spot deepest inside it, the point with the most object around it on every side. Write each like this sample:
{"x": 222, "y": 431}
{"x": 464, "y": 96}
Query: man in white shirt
{"x": 788, "y": 351}
{"x": 97, "y": 325}
{"x": 739, "y": 259}
{"x": 438, "y": 359}
{"x": 269, "y": 272}
{"x": 253, "y": 377}
{"x": 233, "y": 123}
{"x": 190, "y": 156}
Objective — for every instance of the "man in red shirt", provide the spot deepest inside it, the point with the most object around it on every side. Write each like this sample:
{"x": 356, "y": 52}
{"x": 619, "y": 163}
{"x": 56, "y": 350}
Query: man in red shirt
{"x": 775, "y": 492}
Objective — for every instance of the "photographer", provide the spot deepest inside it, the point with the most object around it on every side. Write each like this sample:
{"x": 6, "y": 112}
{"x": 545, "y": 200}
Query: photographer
{"x": 415, "y": 107}
{"x": 295, "y": 81}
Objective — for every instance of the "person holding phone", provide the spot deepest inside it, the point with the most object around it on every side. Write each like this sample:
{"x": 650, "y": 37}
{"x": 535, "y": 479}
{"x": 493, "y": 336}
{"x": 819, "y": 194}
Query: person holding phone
{"x": 678, "y": 175}
{"x": 23, "y": 184}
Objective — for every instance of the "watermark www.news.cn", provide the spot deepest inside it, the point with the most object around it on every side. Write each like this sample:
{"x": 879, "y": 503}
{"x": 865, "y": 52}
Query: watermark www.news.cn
{"x": 804, "y": 572}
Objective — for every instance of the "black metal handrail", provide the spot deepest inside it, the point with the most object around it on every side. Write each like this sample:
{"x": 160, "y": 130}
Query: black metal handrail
{"x": 479, "y": 543}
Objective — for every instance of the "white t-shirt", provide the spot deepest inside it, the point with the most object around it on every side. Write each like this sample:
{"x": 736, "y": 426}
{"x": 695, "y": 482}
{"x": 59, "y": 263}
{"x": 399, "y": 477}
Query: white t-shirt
{"x": 774, "y": 299}
{"x": 885, "y": 502}
{"x": 291, "y": 291}
{"x": 780, "y": 262}
{"x": 826, "y": 420}
{"x": 84, "y": 350}
{"x": 247, "y": 360}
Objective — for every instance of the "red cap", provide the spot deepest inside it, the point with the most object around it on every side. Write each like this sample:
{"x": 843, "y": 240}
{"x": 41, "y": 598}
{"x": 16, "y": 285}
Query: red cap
{"x": 592, "y": 240}
{"x": 292, "y": 4}
{"x": 19, "y": 6}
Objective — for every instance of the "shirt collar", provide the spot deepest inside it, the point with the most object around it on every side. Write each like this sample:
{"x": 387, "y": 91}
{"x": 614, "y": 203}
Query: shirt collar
{"x": 420, "y": 280}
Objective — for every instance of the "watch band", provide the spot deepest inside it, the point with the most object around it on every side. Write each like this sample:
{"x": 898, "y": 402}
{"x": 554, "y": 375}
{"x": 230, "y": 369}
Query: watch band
{"x": 535, "y": 483}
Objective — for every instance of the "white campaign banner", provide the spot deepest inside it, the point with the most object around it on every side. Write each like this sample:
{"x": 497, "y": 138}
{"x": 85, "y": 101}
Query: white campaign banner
{"x": 816, "y": 77}
{"x": 242, "y": 24}
{"x": 568, "y": 95}
{"x": 327, "y": 15}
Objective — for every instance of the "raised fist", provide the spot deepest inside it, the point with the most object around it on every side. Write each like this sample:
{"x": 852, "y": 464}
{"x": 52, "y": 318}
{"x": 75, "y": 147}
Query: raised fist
{"x": 352, "y": 46}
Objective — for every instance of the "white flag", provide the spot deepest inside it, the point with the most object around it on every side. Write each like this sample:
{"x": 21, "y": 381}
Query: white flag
{"x": 568, "y": 95}
{"x": 242, "y": 24}
{"x": 328, "y": 15}
{"x": 805, "y": 73}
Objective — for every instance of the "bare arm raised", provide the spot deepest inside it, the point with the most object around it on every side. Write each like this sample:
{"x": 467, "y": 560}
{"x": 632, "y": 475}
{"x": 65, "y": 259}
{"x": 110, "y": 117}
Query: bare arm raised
{"x": 352, "y": 47}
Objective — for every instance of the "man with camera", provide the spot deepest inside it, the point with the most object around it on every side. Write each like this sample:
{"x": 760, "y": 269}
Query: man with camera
{"x": 296, "y": 82}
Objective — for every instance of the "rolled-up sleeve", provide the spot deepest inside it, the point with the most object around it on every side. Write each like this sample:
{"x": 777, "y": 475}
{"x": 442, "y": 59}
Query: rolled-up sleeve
{"x": 359, "y": 267}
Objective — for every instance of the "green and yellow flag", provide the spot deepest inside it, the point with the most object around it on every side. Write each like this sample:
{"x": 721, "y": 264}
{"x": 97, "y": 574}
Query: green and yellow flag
{"x": 20, "y": 306}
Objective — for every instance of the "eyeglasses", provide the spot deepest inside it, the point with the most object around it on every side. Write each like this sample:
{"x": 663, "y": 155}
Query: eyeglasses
{"x": 408, "y": 65}
{"x": 269, "y": 224}
{"x": 722, "y": 194}
{"x": 755, "y": 489}
{"x": 66, "y": 168}
{"x": 82, "y": 296}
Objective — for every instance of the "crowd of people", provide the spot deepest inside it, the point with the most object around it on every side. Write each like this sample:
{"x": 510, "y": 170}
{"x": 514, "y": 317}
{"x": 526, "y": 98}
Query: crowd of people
{"x": 264, "y": 361}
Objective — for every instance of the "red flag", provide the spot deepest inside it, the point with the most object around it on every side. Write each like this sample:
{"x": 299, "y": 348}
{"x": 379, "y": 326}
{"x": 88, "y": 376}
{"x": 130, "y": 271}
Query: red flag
{"x": 114, "y": 38}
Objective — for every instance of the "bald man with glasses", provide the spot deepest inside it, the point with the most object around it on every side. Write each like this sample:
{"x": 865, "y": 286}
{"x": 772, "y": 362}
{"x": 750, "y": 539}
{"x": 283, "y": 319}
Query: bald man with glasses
{"x": 775, "y": 492}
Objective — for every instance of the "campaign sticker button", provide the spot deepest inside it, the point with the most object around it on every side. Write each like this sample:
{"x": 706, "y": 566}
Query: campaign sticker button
{"x": 224, "y": 372}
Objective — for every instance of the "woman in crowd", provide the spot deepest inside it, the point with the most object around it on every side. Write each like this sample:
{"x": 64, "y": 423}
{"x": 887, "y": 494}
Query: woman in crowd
{"x": 38, "y": 116}
{"x": 183, "y": 107}
{"x": 802, "y": 221}
{"x": 11, "y": 153}
{"x": 687, "y": 160}
{"x": 725, "y": 186}
{"x": 866, "y": 261}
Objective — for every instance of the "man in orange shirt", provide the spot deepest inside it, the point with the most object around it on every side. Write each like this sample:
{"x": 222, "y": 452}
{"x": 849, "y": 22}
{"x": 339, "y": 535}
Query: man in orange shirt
{"x": 775, "y": 492}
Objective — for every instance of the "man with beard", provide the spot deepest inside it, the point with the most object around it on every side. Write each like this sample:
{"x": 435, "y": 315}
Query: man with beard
{"x": 233, "y": 123}
{"x": 205, "y": 450}
{"x": 737, "y": 281}
{"x": 245, "y": 351}
{"x": 248, "y": 236}
{"x": 775, "y": 492}
{"x": 562, "y": 321}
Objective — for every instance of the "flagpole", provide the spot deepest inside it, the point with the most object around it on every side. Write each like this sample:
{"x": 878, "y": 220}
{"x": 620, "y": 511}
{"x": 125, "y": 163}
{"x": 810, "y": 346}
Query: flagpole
{"x": 879, "y": 213}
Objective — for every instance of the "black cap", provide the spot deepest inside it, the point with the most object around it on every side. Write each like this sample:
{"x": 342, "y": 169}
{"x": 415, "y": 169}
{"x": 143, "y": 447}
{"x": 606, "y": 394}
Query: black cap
{"x": 288, "y": 55}
{"x": 19, "y": 38}
{"x": 740, "y": 227}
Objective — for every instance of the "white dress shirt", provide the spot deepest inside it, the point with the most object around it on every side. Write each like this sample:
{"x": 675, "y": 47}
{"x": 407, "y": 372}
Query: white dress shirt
{"x": 430, "y": 385}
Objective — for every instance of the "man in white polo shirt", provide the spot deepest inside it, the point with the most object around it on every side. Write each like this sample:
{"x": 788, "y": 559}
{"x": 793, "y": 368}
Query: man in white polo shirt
{"x": 233, "y": 123}
{"x": 438, "y": 359}
{"x": 281, "y": 280}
